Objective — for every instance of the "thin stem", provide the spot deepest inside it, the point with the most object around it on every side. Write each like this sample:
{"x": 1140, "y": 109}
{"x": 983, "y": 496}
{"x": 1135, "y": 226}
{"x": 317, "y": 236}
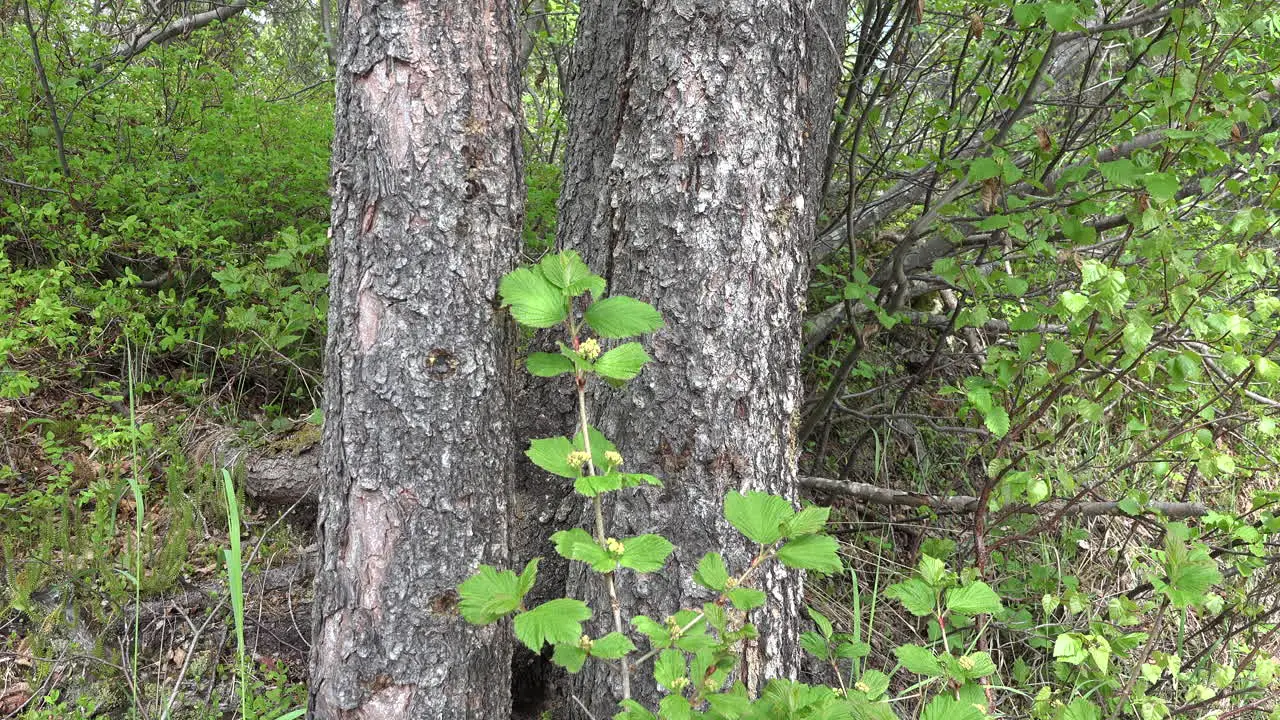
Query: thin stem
{"x": 609, "y": 577}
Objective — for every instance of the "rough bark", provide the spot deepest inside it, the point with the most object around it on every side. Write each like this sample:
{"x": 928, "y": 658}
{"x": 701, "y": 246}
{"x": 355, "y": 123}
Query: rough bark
{"x": 696, "y": 138}
{"x": 417, "y": 441}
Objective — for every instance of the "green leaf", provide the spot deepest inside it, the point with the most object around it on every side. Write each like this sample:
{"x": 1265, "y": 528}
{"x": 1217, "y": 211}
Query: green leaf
{"x": 915, "y": 595}
{"x": 997, "y": 421}
{"x": 534, "y": 302}
{"x": 978, "y": 665}
{"x": 621, "y": 316}
{"x": 632, "y": 710}
{"x": 1060, "y": 15}
{"x": 984, "y": 168}
{"x": 745, "y": 599}
{"x": 623, "y": 362}
{"x": 876, "y": 682}
{"x": 657, "y": 633}
{"x": 577, "y": 544}
{"x": 1161, "y": 186}
{"x": 555, "y": 622}
{"x": 552, "y": 455}
{"x": 489, "y": 595}
{"x": 675, "y": 707}
{"x": 599, "y": 445}
{"x": 711, "y": 572}
{"x": 808, "y": 521}
{"x": 1119, "y": 172}
{"x": 1137, "y": 334}
{"x": 669, "y": 668}
{"x": 528, "y": 576}
{"x": 612, "y": 646}
{"x": 918, "y": 660}
{"x": 945, "y": 707}
{"x": 569, "y": 656}
{"x": 812, "y": 552}
{"x": 1189, "y": 570}
{"x": 548, "y": 364}
{"x": 814, "y": 644}
{"x": 975, "y": 598}
{"x": 931, "y": 570}
{"x": 566, "y": 271}
{"x": 1081, "y": 709}
{"x": 822, "y": 622}
{"x": 645, "y": 553}
{"x": 593, "y": 485}
{"x": 760, "y": 516}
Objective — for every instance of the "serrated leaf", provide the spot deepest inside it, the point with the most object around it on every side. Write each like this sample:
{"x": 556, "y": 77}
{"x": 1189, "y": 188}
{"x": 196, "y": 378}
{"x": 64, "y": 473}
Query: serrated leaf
{"x": 745, "y": 598}
{"x": 760, "y": 516}
{"x": 915, "y": 595}
{"x": 528, "y": 576}
{"x": 542, "y": 364}
{"x": 1081, "y": 709}
{"x": 566, "y": 270}
{"x": 612, "y": 646}
{"x": 808, "y": 521}
{"x": 814, "y": 644}
{"x": 569, "y": 656}
{"x": 1136, "y": 335}
{"x": 669, "y": 668}
{"x": 645, "y": 553}
{"x": 657, "y": 633}
{"x": 623, "y": 362}
{"x": 812, "y": 552}
{"x": 621, "y": 316}
{"x": 552, "y": 455}
{"x": 711, "y": 572}
{"x": 599, "y": 445}
{"x": 577, "y": 544}
{"x": 821, "y": 621}
{"x": 534, "y": 302}
{"x": 632, "y": 710}
{"x": 593, "y": 485}
{"x": 1161, "y": 185}
{"x": 977, "y": 665}
{"x": 876, "y": 682}
{"x": 554, "y": 622}
{"x": 983, "y": 168}
{"x": 945, "y": 707}
{"x": 997, "y": 421}
{"x": 1119, "y": 172}
{"x": 489, "y": 595}
{"x": 918, "y": 660}
{"x": 975, "y": 598}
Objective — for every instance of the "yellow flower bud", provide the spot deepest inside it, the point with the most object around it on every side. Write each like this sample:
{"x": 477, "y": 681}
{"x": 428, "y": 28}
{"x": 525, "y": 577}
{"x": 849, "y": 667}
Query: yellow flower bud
{"x": 589, "y": 349}
{"x": 578, "y": 458}
{"x": 613, "y": 457}
{"x": 614, "y": 546}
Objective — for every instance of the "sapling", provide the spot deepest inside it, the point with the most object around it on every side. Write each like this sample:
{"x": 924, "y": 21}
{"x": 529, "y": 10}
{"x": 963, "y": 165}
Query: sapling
{"x": 695, "y": 651}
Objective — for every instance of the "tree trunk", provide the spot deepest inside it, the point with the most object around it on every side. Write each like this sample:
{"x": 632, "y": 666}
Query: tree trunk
{"x": 417, "y": 445}
{"x": 696, "y": 139}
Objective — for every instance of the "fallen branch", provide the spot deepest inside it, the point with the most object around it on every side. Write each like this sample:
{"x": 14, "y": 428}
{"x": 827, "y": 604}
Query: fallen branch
{"x": 967, "y": 503}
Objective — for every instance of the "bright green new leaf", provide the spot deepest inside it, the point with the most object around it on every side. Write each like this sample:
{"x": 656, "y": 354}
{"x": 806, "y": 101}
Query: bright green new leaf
{"x": 711, "y": 572}
{"x": 1137, "y": 334}
{"x": 822, "y": 622}
{"x": 760, "y": 516}
{"x": 528, "y": 576}
{"x": 808, "y": 521}
{"x": 876, "y": 682}
{"x": 1119, "y": 172}
{"x": 675, "y": 707}
{"x": 657, "y": 633}
{"x": 745, "y": 598}
{"x": 534, "y": 302}
{"x": 984, "y": 168}
{"x": 554, "y": 622}
{"x": 645, "y": 553}
{"x": 566, "y": 270}
{"x": 632, "y": 710}
{"x": 915, "y": 595}
{"x": 997, "y": 421}
{"x": 1081, "y": 709}
{"x": 623, "y": 362}
{"x": 552, "y": 455}
{"x": 621, "y": 316}
{"x": 812, "y": 552}
{"x": 975, "y": 598}
{"x": 931, "y": 570}
{"x": 668, "y": 668}
{"x": 945, "y": 707}
{"x": 977, "y": 665}
{"x": 577, "y": 544}
{"x": 548, "y": 364}
{"x": 918, "y": 660}
{"x": 593, "y": 485}
{"x": 1161, "y": 186}
{"x": 489, "y": 595}
{"x": 612, "y": 646}
{"x": 1265, "y": 368}
{"x": 569, "y": 656}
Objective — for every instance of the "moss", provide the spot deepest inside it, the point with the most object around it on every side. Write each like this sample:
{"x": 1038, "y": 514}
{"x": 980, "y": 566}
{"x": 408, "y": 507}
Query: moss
{"x": 297, "y": 442}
